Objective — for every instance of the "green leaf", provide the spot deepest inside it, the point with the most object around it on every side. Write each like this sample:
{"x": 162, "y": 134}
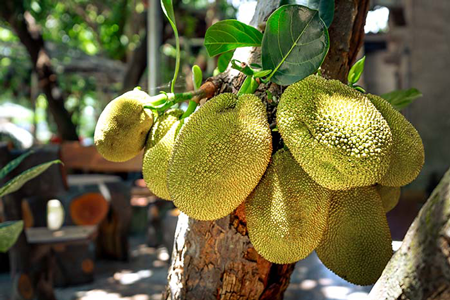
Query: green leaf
{"x": 262, "y": 73}
{"x": 167, "y": 8}
{"x": 355, "y": 72}
{"x": 295, "y": 44}
{"x": 9, "y": 232}
{"x": 197, "y": 77}
{"x": 325, "y": 8}
{"x": 17, "y": 182}
{"x": 224, "y": 60}
{"x": 402, "y": 98}
{"x": 228, "y": 35}
{"x": 13, "y": 164}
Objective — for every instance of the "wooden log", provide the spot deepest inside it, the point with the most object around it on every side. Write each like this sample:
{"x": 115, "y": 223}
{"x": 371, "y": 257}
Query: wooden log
{"x": 88, "y": 209}
{"x": 420, "y": 269}
{"x": 112, "y": 241}
{"x": 74, "y": 265}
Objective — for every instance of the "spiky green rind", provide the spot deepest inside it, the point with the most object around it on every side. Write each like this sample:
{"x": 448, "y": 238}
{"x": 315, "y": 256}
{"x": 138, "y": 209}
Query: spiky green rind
{"x": 357, "y": 242}
{"x": 408, "y": 155}
{"x": 287, "y": 212}
{"x": 389, "y": 196}
{"x": 219, "y": 156}
{"x": 335, "y": 133}
{"x": 123, "y": 126}
{"x": 158, "y": 151}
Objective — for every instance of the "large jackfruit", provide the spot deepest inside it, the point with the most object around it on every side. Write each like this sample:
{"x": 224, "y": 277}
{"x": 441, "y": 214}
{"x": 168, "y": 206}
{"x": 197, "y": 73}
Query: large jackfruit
{"x": 357, "y": 242}
{"x": 389, "y": 196}
{"x": 287, "y": 212}
{"x": 158, "y": 150}
{"x": 123, "y": 127}
{"x": 219, "y": 157}
{"x": 407, "y": 151}
{"x": 335, "y": 133}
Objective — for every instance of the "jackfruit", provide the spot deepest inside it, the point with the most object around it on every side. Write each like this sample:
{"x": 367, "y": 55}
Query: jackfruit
{"x": 158, "y": 150}
{"x": 219, "y": 156}
{"x": 287, "y": 212}
{"x": 123, "y": 127}
{"x": 407, "y": 151}
{"x": 389, "y": 196}
{"x": 356, "y": 244}
{"x": 335, "y": 133}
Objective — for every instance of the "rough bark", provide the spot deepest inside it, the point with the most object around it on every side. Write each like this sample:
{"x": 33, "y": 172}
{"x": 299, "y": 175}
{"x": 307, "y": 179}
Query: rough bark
{"x": 30, "y": 36}
{"x": 346, "y": 37}
{"x": 215, "y": 260}
{"x": 420, "y": 269}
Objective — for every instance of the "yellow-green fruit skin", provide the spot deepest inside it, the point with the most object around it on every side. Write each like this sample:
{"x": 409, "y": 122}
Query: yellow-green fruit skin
{"x": 335, "y": 133}
{"x": 123, "y": 126}
{"x": 287, "y": 212}
{"x": 157, "y": 152}
{"x": 219, "y": 157}
{"x": 357, "y": 242}
{"x": 389, "y": 196}
{"x": 408, "y": 155}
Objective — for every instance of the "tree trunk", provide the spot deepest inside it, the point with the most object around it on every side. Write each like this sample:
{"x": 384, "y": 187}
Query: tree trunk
{"x": 420, "y": 269}
{"x": 29, "y": 34}
{"x": 215, "y": 259}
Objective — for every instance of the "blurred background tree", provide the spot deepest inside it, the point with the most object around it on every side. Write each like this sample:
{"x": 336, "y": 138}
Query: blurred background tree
{"x": 84, "y": 53}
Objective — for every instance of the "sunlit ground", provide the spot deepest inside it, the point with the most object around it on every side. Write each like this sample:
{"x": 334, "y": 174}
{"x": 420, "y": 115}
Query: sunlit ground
{"x": 144, "y": 278}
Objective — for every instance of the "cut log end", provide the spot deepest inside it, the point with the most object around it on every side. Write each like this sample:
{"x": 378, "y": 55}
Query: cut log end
{"x": 89, "y": 209}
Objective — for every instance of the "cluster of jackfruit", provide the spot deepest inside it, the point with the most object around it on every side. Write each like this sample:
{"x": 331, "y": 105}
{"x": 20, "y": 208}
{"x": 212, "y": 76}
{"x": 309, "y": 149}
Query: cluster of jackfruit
{"x": 329, "y": 189}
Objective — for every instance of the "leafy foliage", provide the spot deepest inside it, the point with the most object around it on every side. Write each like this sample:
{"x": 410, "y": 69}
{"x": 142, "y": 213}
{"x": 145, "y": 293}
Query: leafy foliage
{"x": 402, "y": 98}
{"x": 17, "y": 182}
{"x": 325, "y": 8}
{"x": 356, "y": 71}
{"x": 228, "y": 35}
{"x": 295, "y": 44}
{"x": 9, "y": 232}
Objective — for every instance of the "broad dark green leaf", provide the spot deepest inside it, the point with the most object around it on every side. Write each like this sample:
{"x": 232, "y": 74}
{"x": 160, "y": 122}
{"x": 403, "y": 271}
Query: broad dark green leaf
{"x": 325, "y": 8}
{"x": 295, "y": 43}
{"x": 13, "y": 164}
{"x": 18, "y": 181}
{"x": 9, "y": 232}
{"x": 356, "y": 71}
{"x": 228, "y": 35}
{"x": 197, "y": 77}
{"x": 402, "y": 98}
{"x": 224, "y": 61}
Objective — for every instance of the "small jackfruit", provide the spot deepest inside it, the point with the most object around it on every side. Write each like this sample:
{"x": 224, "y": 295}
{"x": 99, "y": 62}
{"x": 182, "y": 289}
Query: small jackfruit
{"x": 219, "y": 156}
{"x": 123, "y": 127}
{"x": 389, "y": 196}
{"x": 335, "y": 133}
{"x": 158, "y": 150}
{"x": 357, "y": 242}
{"x": 287, "y": 212}
{"x": 407, "y": 151}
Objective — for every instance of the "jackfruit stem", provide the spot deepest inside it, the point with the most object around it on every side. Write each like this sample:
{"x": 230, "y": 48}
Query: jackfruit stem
{"x": 165, "y": 101}
{"x": 249, "y": 86}
{"x": 191, "y": 108}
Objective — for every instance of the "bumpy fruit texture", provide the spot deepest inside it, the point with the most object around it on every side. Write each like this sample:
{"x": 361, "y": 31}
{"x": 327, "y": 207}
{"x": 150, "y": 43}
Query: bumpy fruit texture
{"x": 407, "y": 151}
{"x": 219, "y": 157}
{"x": 335, "y": 133}
{"x": 357, "y": 242}
{"x": 389, "y": 196}
{"x": 287, "y": 212}
{"x": 123, "y": 127}
{"x": 158, "y": 151}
